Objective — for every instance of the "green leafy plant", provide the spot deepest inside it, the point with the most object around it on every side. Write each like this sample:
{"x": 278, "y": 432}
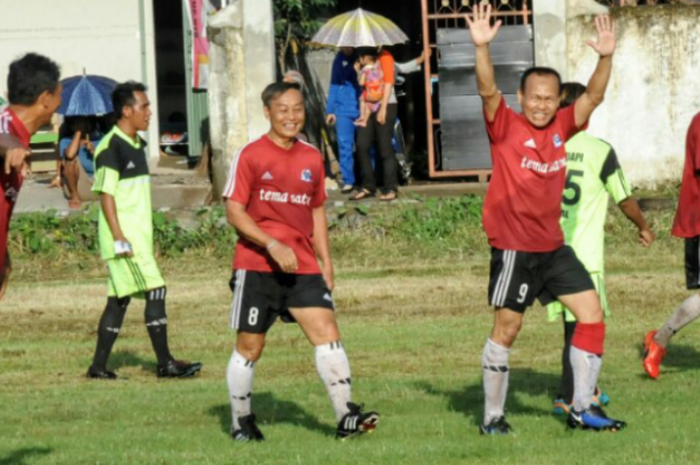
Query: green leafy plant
{"x": 46, "y": 234}
{"x": 295, "y": 20}
{"x": 438, "y": 218}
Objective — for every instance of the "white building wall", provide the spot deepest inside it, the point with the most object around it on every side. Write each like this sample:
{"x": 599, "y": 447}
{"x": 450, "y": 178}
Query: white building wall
{"x": 654, "y": 91}
{"x": 549, "y": 22}
{"x": 99, "y": 36}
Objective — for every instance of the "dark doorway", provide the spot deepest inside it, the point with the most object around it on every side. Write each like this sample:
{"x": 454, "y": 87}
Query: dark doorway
{"x": 171, "y": 79}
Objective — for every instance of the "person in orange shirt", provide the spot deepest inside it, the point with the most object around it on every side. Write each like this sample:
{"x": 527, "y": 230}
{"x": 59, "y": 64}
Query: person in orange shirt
{"x": 379, "y": 128}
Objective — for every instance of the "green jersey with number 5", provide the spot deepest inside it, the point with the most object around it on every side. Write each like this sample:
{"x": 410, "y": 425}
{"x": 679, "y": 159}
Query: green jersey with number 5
{"x": 593, "y": 174}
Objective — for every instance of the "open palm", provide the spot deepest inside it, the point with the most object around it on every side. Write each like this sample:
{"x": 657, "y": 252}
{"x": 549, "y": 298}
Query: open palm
{"x": 605, "y": 46}
{"x": 480, "y": 27}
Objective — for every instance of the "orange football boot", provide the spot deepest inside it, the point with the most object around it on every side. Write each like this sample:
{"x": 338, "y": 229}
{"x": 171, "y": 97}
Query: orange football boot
{"x": 653, "y": 355}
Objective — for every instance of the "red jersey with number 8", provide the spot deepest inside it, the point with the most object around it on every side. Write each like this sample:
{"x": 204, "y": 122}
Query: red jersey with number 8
{"x": 10, "y": 184}
{"x": 522, "y": 208}
{"x": 280, "y": 188}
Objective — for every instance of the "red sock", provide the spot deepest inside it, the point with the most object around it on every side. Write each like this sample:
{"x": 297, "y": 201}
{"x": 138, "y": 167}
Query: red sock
{"x": 589, "y": 337}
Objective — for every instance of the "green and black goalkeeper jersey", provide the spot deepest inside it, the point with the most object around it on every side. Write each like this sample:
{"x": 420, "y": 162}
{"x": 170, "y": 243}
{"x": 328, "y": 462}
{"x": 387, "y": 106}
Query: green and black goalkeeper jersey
{"x": 593, "y": 174}
{"x": 121, "y": 170}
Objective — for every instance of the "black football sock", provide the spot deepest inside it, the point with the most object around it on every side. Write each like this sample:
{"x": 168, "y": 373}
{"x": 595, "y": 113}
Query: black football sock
{"x": 157, "y": 324}
{"x": 108, "y": 330}
{"x": 567, "y": 372}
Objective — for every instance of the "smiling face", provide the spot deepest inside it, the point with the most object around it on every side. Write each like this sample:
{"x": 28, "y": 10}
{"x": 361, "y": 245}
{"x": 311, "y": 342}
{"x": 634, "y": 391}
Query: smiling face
{"x": 286, "y": 115}
{"x": 540, "y": 99}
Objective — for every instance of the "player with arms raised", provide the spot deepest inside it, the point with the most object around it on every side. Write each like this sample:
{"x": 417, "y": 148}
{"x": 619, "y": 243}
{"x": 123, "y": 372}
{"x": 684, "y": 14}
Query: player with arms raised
{"x": 521, "y": 218}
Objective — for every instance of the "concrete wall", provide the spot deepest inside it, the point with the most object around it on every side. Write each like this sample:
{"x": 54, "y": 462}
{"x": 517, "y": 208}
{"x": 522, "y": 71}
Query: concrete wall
{"x": 101, "y": 36}
{"x": 242, "y": 64}
{"x": 654, "y": 91}
{"x": 549, "y": 19}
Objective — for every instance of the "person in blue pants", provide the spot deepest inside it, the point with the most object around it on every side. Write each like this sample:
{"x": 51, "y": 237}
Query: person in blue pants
{"x": 342, "y": 110}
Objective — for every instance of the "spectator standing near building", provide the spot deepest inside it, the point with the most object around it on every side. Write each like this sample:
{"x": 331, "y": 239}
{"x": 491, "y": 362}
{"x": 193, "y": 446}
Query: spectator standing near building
{"x": 379, "y": 129}
{"x": 342, "y": 109}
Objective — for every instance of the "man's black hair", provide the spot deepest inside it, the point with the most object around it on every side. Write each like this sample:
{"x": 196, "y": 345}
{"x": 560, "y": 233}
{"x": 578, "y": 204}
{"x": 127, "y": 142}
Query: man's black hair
{"x": 570, "y": 92}
{"x": 276, "y": 89}
{"x": 539, "y": 71}
{"x": 31, "y": 76}
{"x": 368, "y": 51}
{"x": 123, "y": 96}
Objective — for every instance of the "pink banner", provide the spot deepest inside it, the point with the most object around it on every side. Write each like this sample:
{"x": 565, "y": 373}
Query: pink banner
{"x": 200, "y": 44}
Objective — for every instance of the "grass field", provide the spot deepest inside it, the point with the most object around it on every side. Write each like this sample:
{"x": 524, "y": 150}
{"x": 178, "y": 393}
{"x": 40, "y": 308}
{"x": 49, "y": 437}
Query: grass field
{"x": 414, "y": 319}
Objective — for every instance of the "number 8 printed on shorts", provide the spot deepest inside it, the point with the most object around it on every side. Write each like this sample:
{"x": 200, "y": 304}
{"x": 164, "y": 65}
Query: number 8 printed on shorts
{"x": 253, "y": 316}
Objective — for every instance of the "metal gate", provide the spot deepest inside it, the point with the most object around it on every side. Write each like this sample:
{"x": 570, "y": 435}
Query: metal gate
{"x": 457, "y": 141}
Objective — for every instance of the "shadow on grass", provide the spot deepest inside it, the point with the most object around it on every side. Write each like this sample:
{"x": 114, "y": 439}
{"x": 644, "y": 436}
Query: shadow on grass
{"x": 19, "y": 456}
{"x": 270, "y": 410}
{"x": 470, "y": 400}
{"x": 129, "y": 359}
{"x": 681, "y": 357}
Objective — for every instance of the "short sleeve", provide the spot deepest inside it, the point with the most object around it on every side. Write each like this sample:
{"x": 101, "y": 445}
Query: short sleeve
{"x": 566, "y": 119}
{"x": 107, "y": 169}
{"x": 692, "y": 143}
{"x": 388, "y": 70}
{"x": 320, "y": 195}
{"x": 498, "y": 128}
{"x": 614, "y": 179}
{"x": 240, "y": 179}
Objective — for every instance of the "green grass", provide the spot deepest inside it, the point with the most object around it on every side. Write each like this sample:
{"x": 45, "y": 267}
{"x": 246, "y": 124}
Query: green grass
{"x": 414, "y": 318}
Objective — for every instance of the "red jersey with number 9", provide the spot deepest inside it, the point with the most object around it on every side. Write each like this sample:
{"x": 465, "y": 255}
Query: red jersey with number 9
{"x": 10, "y": 184}
{"x": 523, "y": 202}
{"x": 280, "y": 188}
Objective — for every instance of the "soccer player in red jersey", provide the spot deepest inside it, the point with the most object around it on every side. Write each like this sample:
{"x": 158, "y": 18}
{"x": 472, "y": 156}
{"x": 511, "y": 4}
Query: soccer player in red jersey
{"x": 34, "y": 93}
{"x": 521, "y": 218}
{"x": 275, "y": 199}
{"x": 686, "y": 225}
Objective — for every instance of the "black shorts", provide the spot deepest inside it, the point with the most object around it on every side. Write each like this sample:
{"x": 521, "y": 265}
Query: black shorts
{"x": 517, "y": 278}
{"x": 692, "y": 262}
{"x": 259, "y": 298}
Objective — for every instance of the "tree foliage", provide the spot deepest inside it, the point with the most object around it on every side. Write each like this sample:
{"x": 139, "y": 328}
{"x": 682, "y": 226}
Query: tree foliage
{"x": 299, "y": 18}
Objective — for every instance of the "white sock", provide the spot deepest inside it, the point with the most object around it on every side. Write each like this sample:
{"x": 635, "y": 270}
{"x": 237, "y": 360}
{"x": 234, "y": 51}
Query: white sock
{"x": 334, "y": 369}
{"x": 239, "y": 376}
{"x": 494, "y": 364}
{"x": 686, "y": 312}
{"x": 586, "y": 366}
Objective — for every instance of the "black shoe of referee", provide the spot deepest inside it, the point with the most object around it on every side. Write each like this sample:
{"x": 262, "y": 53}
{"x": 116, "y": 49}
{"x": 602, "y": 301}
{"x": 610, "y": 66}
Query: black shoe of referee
{"x": 178, "y": 369}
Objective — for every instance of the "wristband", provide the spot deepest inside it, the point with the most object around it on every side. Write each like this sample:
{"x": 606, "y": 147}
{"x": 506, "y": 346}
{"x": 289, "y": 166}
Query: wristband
{"x": 271, "y": 244}
{"x": 121, "y": 247}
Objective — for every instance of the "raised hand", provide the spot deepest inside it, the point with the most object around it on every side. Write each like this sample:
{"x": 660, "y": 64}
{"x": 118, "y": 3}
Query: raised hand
{"x": 480, "y": 27}
{"x": 605, "y": 46}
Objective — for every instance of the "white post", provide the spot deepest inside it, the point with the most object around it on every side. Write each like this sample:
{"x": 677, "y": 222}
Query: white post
{"x": 260, "y": 67}
{"x": 550, "y": 35}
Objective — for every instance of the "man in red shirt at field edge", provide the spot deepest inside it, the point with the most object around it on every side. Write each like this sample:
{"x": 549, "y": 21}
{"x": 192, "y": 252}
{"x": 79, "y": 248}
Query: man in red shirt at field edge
{"x": 34, "y": 93}
{"x": 275, "y": 199}
{"x": 521, "y": 218}
{"x": 686, "y": 225}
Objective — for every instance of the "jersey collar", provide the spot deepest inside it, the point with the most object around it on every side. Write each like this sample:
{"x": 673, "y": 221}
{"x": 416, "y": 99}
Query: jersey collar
{"x": 137, "y": 145}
